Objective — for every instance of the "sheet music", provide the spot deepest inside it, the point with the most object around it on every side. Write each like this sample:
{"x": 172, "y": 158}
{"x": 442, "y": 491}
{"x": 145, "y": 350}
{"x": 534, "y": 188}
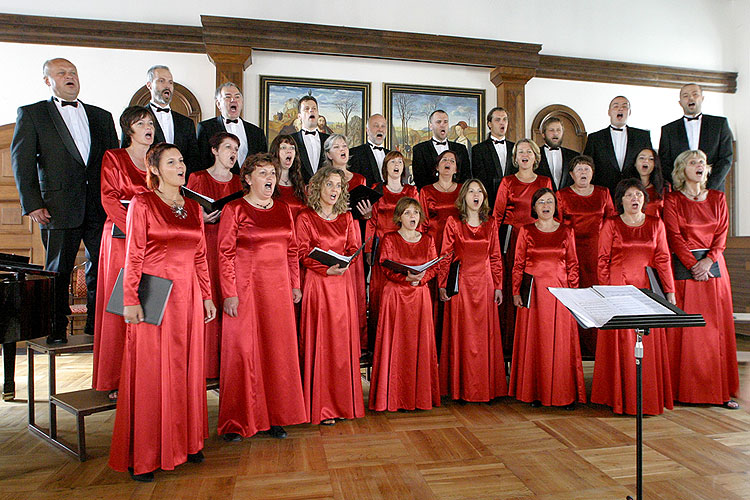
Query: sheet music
{"x": 628, "y": 300}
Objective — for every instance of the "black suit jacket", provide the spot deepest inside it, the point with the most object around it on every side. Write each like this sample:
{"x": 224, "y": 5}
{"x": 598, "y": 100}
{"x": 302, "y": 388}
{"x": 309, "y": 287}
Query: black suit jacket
{"x": 256, "y": 140}
{"x": 362, "y": 161}
{"x": 424, "y": 158}
{"x": 544, "y": 169}
{"x": 184, "y": 139}
{"x": 48, "y": 167}
{"x": 485, "y": 166}
{"x": 715, "y": 140}
{"x": 599, "y": 147}
{"x": 307, "y": 171}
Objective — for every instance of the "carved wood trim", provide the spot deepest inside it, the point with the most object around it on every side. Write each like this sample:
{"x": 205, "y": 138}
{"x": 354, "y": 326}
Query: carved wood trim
{"x": 569, "y": 116}
{"x": 183, "y": 101}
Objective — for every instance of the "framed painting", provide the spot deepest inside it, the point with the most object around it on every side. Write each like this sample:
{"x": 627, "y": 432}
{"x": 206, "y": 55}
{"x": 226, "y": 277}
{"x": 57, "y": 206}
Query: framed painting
{"x": 407, "y": 109}
{"x": 343, "y": 106}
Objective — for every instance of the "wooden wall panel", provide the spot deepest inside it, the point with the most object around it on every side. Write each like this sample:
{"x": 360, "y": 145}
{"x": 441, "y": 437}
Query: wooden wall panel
{"x": 737, "y": 256}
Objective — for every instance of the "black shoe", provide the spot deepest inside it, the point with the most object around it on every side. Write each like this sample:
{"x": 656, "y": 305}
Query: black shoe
{"x": 277, "y": 431}
{"x": 571, "y": 406}
{"x": 196, "y": 458}
{"x": 147, "y": 477}
{"x": 52, "y": 340}
{"x": 536, "y": 404}
{"x": 232, "y": 437}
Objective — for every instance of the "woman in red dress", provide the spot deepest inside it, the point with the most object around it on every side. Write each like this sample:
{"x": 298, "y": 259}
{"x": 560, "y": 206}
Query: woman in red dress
{"x": 123, "y": 176}
{"x": 404, "y": 368}
{"x": 647, "y": 168}
{"x": 381, "y": 222}
{"x": 216, "y": 182}
{"x": 584, "y": 207}
{"x": 161, "y": 420}
{"x": 261, "y": 388}
{"x": 628, "y": 243}
{"x": 329, "y": 325}
{"x": 703, "y": 360}
{"x": 471, "y": 360}
{"x": 291, "y": 186}
{"x": 547, "y": 368}
{"x": 513, "y": 209}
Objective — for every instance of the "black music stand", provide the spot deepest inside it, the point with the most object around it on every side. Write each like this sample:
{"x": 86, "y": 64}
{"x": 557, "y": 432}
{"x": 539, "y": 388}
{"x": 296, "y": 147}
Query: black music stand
{"x": 642, "y": 325}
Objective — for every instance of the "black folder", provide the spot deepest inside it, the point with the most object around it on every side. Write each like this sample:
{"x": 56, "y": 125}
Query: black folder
{"x": 209, "y": 204}
{"x": 506, "y": 231}
{"x": 116, "y": 231}
{"x": 683, "y": 273}
{"x": 406, "y": 269}
{"x": 451, "y": 286}
{"x": 361, "y": 193}
{"x": 654, "y": 282}
{"x": 527, "y": 286}
{"x": 330, "y": 258}
{"x": 153, "y": 292}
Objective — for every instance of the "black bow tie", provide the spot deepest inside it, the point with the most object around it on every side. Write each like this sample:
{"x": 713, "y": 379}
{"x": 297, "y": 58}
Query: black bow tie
{"x": 379, "y": 148}
{"x": 307, "y": 132}
{"x": 495, "y": 141}
{"x": 556, "y": 148}
{"x": 158, "y": 109}
{"x": 616, "y": 129}
{"x": 691, "y": 118}
{"x": 236, "y": 120}
{"x": 69, "y": 103}
{"x": 438, "y": 143}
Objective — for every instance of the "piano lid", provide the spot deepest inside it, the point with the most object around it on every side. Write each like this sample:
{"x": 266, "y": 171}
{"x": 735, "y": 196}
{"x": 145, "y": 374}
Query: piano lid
{"x": 20, "y": 264}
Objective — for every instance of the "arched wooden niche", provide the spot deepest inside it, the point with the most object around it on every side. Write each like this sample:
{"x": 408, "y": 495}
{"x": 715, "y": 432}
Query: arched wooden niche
{"x": 183, "y": 101}
{"x": 575, "y": 132}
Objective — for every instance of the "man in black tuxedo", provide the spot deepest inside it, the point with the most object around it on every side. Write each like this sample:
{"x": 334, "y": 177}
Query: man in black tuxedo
{"x": 695, "y": 130}
{"x": 491, "y": 160}
{"x": 56, "y": 155}
{"x": 615, "y": 147}
{"x": 309, "y": 139}
{"x": 367, "y": 159}
{"x": 424, "y": 154}
{"x": 555, "y": 158}
{"x": 171, "y": 127}
{"x": 252, "y": 139}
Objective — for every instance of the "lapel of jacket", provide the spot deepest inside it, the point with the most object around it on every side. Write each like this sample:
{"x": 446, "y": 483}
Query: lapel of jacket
{"x": 705, "y": 134}
{"x": 610, "y": 147}
{"x": 159, "y": 133}
{"x": 495, "y": 158}
{"x": 94, "y": 133}
{"x": 303, "y": 153}
{"x": 373, "y": 162}
{"x": 64, "y": 133}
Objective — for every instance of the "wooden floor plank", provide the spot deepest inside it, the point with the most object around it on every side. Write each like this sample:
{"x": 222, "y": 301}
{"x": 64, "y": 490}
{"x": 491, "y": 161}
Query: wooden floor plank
{"x": 619, "y": 464}
{"x": 402, "y": 482}
{"x": 486, "y": 478}
{"x": 702, "y": 455}
{"x": 441, "y": 445}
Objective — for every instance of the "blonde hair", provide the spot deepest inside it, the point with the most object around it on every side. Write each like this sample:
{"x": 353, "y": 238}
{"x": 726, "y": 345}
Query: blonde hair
{"x": 678, "y": 173}
{"x": 316, "y": 185}
{"x": 534, "y": 148}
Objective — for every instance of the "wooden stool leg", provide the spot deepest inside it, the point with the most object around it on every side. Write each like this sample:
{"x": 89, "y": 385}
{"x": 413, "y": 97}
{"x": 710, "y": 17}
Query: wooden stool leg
{"x": 81, "y": 428}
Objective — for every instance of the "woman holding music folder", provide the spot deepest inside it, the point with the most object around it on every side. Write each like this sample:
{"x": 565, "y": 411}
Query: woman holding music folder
{"x": 123, "y": 176}
{"x": 291, "y": 186}
{"x": 703, "y": 360}
{"x": 405, "y": 369}
{"x": 512, "y": 210}
{"x": 547, "y": 368}
{"x": 471, "y": 360}
{"x": 329, "y": 324}
{"x": 260, "y": 388}
{"x": 216, "y": 182}
{"x": 630, "y": 242}
{"x": 161, "y": 419}
{"x": 584, "y": 207}
{"x": 393, "y": 189}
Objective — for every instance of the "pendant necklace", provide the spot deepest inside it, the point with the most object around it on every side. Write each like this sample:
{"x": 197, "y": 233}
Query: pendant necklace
{"x": 179, "y": 211}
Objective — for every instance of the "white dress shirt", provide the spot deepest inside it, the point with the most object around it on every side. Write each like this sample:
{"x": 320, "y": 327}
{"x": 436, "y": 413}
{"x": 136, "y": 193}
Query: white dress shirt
{"x": 554, "y": 160}
{"x": 502, "y": 151}
{"x": 238, "y": 129}
{"x": 620, "y": 144}
{"x": 312, "y": 145}
{"x": 78, "y": 125}
{"x": 166, "y": 122}
{"x": 379, "y": 155}
{"x": 693, "y": 130}
{"x": 439, "y": 147}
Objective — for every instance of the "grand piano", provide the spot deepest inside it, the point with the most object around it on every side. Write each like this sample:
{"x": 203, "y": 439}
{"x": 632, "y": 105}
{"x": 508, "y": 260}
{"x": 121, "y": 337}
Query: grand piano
{"x": 26, "y": 309}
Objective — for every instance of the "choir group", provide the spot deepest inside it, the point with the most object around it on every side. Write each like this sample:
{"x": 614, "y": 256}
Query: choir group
{"x": 289, "y": 333}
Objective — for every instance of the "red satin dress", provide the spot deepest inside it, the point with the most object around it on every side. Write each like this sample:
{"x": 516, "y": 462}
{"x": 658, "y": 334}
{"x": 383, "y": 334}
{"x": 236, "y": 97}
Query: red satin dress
{"x": 547, "y": 363}
{"x": 329, "y": 327}
{"x": 513, "y": 207}
{"x": 703, "y": 360}
{"x": 357, "y": 269}
{"x": 586, "y": 215}
{"x": 286, "y": 194}
{"x": 202, "y": 182}
{"x": 378, "y": 225}
{"x": 261, "y": 384}
{"x": 471, "y": 360}
{"x": 405, "y": 368}
{"x": 655, "y": 205}
{"x": 161, "y": 409}
{"x": 624, "y": 253}
{"x": 121, "y": 180}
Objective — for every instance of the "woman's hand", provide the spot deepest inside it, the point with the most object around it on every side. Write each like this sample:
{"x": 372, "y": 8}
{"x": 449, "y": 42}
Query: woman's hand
{"x": 211, "y": 218}
{"x": 701, "y": 269}
{"x": 443, "y": 295}
{"x": 296, "y": 295}
{"x": 210, "y": 308}
{"x": 365, "y": 208}
{"x": 517, "y": 301}
{"x": 498, "y": 297}
{"x": 414, "y": 279}
{"x": 336, "y": 270}
{"x": 230, "y": 306}
{"x": 133, "y": 314}
{"x": 671, "y": 299}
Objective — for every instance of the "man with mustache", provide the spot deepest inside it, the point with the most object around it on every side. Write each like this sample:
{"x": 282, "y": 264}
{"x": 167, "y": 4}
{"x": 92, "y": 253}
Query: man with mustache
{"x": 56, "y": 156}
{"x": 309, "y": 139}
{"x": 230, "y": 102}
{"x": 491, "y": 160}
{"x": 367, "y": 159}
{"x": 555, "y": 157}
{"x": 171, "y": 127}
{"x": 695, "y": 130}
{"x": 615, "y": 147}
{"x": 425, "y": 153}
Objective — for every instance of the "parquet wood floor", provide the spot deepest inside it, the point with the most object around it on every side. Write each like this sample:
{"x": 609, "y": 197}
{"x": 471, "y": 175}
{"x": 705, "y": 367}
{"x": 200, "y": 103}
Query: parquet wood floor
{"x": 503, "y": 450}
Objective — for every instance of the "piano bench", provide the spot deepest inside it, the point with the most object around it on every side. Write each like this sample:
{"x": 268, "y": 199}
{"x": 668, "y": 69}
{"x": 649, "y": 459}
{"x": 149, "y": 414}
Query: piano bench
{"x": 82, "y": 404}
